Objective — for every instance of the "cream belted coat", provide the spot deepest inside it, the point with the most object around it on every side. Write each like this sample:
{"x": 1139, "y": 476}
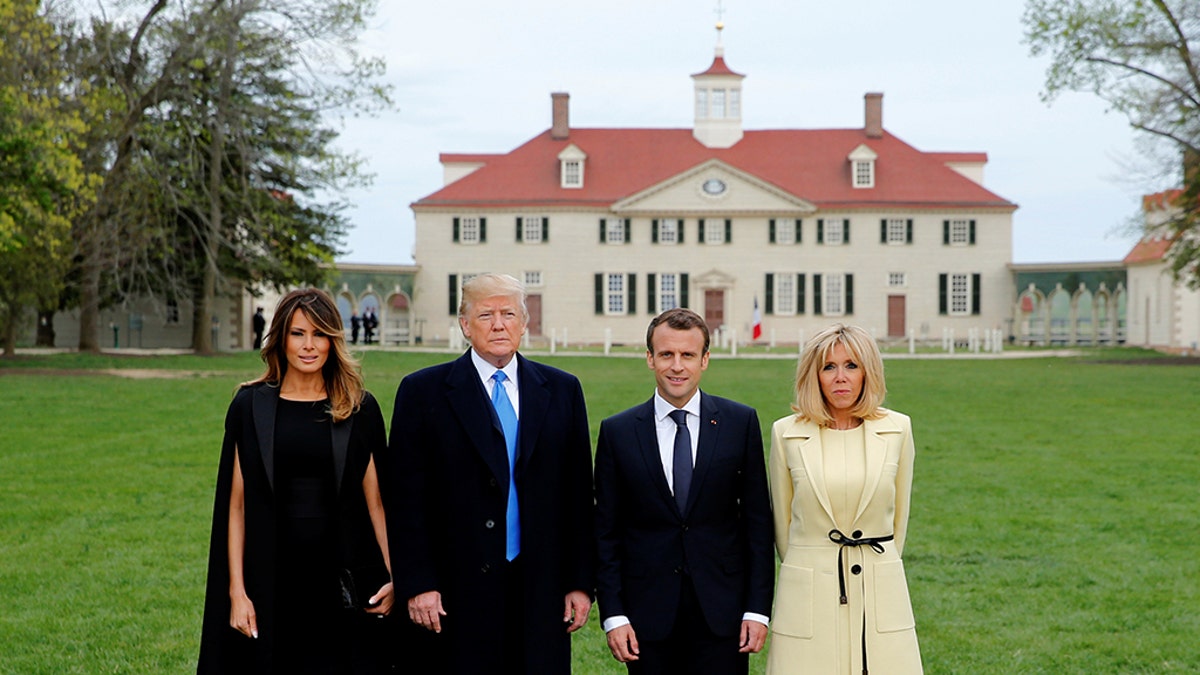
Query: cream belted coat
{"x": 811, "y": 631}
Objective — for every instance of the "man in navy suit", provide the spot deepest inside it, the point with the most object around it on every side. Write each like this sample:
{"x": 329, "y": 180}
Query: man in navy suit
{"x": 489, "y": 500}
{"x": 683, "y": 519}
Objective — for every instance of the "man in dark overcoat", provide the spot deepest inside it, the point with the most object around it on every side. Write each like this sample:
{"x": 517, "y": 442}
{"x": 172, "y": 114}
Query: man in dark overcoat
{"x": 488, "y": 490}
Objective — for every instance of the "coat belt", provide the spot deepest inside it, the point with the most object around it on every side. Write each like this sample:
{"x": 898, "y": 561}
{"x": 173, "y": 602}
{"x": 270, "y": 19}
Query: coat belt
{"x": 836, "y": 536}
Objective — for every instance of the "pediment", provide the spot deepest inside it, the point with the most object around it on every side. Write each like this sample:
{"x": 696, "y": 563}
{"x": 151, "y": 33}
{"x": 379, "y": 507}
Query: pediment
{"x": 713, "y": 188}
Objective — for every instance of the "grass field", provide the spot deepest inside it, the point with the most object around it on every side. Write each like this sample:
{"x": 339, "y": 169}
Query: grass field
{"x": 1054, "y": 523}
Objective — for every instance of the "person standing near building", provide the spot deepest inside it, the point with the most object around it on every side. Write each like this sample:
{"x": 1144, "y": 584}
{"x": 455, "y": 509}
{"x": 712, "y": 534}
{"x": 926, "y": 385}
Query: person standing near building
{"x": 260, "y": 325}
{"x": 841, "y": 473}
{"x": 683, "y": 518}
{"x": 488, "y": 487}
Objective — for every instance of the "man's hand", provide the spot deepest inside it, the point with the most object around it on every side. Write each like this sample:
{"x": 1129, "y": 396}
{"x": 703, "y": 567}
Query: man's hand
{"x": 575, "y": 613}
{"x": 426, "y": 610}
{"x": 623, "y": 644}
{"x": 753, "y": 636}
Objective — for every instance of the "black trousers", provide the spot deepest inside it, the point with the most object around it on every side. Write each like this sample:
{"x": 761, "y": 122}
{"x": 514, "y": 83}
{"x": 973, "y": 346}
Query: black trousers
{"x": 691, "y": 648}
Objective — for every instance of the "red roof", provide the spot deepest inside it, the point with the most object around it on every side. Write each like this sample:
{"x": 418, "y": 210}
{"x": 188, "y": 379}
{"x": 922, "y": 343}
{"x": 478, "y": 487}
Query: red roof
{"x": 1148, "y": 250}
{"x": 718, "y": 67}
{"x": 809, "y": 164}
{"x": 967, "y": 157}
{"x": 1160, "y": 200}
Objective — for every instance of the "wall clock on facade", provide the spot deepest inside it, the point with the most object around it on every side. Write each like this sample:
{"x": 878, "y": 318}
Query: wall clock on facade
{"x": 713, "y": 187}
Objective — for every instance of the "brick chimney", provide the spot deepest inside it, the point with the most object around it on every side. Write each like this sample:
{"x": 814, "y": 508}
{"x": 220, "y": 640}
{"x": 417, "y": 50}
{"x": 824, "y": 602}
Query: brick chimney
{"x": 874, "y": 115}
{"x": 560, "y": 126}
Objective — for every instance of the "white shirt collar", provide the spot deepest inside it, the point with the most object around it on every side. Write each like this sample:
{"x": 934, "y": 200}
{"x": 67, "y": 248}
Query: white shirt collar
{"x": 662, "y": 409}
{"x": 486, "y": 370}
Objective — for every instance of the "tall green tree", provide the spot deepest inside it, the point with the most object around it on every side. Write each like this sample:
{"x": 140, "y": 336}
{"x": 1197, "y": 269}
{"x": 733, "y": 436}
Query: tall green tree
{"x": 1142, "y": 57}
{"x": 42, "y": 184}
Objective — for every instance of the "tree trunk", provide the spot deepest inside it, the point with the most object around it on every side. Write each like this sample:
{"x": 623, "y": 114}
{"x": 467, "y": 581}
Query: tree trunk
{"x": 89, "y": 298}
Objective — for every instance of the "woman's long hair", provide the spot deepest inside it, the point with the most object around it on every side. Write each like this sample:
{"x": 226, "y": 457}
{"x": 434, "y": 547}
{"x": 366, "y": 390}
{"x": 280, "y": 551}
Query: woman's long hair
{"x": 343, "y": 377}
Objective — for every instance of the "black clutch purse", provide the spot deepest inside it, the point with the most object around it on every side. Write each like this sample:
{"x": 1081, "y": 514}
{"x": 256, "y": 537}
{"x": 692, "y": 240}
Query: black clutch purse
{"x": 358, "y": 584}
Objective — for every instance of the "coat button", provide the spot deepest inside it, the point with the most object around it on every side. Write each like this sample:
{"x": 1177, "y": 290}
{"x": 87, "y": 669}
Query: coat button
{"x": 856, "y": 569}
{"x": 490, "y": 524}
{"x": 685, "y": 528}
{"x": 485, "y": 568}
{"x": 492, "y": 482}
{"x": 857, "y": 534}
{"x": 678, "y": 570}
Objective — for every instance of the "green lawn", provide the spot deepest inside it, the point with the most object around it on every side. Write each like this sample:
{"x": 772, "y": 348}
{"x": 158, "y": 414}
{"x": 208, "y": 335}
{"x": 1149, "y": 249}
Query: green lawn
{"x": 1054, "y": 523}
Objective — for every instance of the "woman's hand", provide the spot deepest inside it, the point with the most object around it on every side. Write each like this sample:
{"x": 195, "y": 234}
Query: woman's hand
{"x": 242, "y": 617}
{"x": 381, "y": 602}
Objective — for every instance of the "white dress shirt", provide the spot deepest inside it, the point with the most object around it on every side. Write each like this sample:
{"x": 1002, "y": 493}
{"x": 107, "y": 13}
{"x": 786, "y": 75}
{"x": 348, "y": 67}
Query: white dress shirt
{"x": 486, "y": 370}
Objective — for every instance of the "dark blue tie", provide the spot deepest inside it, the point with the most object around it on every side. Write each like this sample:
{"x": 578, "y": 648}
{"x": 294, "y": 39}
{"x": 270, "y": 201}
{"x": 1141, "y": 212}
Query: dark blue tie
{"x": 681, "y": 464}
{"x": 508, "y": 422}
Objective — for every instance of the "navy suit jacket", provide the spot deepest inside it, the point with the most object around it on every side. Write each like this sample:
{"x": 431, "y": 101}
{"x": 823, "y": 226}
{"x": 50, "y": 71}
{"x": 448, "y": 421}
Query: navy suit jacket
{"x": 446, "y": 489}
{"x": 723, "y": 539}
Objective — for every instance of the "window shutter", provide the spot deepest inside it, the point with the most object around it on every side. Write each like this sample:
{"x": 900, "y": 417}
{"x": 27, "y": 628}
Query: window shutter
{"x": 849, "y": 293}
{"x": 820, "y": 231}
{"x": 654, "y": 231}
{"x": 520, "y": 234}
{"x": 845, "y": 230}
{"x": 816, "y": 294}
{"x": 800, "y": 293}
{"x": 799, "y": 223}
{"x": 728, "y": 231}
{"x": 683, "y": 289}
{"x": 482, "y": 230}
{"x": 975, "y": 278}
{"x": 632, "y": 278}
{"x": 456, "y": 230}
{"x": 650, "y": 293}
{"x": 545, "y": 230}
{"x": 945, "y": 234}
{"x": 769, "y": 300}
{"x": 972, "y": 233}
{"x": 603, "y": 233}
{"x": 679, "y": 234}
{"x": 908, "y": 231}
{"x": 771, "y": 231}
{"x": 700, "y": 235}
{"x": 454, "y": 292}
{"x": 628, "y": 230}
{"x": 883, "y": 231}
{"x": 599, "y": 293}
{"x": 943, "y": 290}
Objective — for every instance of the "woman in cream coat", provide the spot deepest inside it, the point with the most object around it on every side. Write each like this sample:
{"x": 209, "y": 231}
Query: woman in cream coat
{"x": 841, "y": 476}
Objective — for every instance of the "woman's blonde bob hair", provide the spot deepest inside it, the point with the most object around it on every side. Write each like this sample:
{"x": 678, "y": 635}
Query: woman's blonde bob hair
{"x": 810, "y": 403}
{"x": 343, "y": 378}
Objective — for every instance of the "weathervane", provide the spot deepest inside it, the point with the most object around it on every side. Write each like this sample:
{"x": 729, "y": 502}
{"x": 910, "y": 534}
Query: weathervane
{"x": 720, "y": 12}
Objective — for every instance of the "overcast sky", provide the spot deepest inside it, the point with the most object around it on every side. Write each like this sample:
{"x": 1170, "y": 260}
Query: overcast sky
{"x": 476, "y": 76}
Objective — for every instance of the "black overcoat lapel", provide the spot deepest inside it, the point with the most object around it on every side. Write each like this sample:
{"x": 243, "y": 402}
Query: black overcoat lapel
{"x": 470, "y": 404}
{"x": 266, "y": 400}
{"x": 535, "y": 401}
{"x": 646, "y": 431}
{"x": 706, "y": 447}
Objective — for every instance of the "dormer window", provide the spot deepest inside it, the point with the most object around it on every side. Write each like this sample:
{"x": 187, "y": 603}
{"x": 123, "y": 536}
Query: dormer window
{"x": 862, "y": 167}
{"x": 570, "y": 162}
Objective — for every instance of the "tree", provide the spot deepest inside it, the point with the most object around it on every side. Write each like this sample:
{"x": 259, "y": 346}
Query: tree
{"x": 1140, "y": 57}
{"x": 42, "y": 184}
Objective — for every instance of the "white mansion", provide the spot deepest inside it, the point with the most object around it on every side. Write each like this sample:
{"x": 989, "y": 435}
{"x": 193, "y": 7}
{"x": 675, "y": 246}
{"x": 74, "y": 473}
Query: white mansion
{"x": 608, "y": 227}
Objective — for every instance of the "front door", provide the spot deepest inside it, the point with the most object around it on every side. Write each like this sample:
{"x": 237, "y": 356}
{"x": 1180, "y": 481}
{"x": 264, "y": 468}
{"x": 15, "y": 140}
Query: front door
{"x": 534, "y": 304}
{"x": 896, "y": 316}
{"x": 714, "y": 309}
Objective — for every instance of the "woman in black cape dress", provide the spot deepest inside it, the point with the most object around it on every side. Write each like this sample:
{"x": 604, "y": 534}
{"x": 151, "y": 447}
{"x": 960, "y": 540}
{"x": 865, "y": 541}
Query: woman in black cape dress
{"x": 309, "y": 509}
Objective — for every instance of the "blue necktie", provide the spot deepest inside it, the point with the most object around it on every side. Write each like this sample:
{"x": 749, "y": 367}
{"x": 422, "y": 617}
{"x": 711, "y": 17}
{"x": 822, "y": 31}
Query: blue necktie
{"x": 508, "y": 422}
{"x": 681, "y": 461}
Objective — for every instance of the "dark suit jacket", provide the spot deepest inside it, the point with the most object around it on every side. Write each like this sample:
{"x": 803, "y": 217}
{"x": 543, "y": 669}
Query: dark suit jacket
{"x": 446, "y": 489}
{"x": 250, "y": 428}
{"x": 723, "y": 539}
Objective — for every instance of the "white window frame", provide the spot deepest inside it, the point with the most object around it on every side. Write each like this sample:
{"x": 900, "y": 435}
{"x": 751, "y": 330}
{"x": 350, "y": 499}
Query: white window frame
{"x": 714, "y": 232}
{"x": 785, "y": 230}
{"x": 833, "y": 292}
{"x": 468, "y": 230}
{"x": 614, "y": 293}
{"x": 668, "y": 287}
{"x": 533, "y": 278}
{"x": 668, "y": 235}
{"x": 531, "y": 229}
{"x": 572, "y": 173}
{"x": 735, "y": 103}
{"x": 897, "y": 279}
{"x": 718, "y": 104}
{"x": 897, "y": 230}
{"x": 840, "y": 230}
{"x": 960, "y": 232}
{"x": 702, "y": 104}
{"x": 785, "y": 294}
{"x": 614, "y": 232}
{"x": 864, "y": 173}
{"x": 959, "y": 292}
